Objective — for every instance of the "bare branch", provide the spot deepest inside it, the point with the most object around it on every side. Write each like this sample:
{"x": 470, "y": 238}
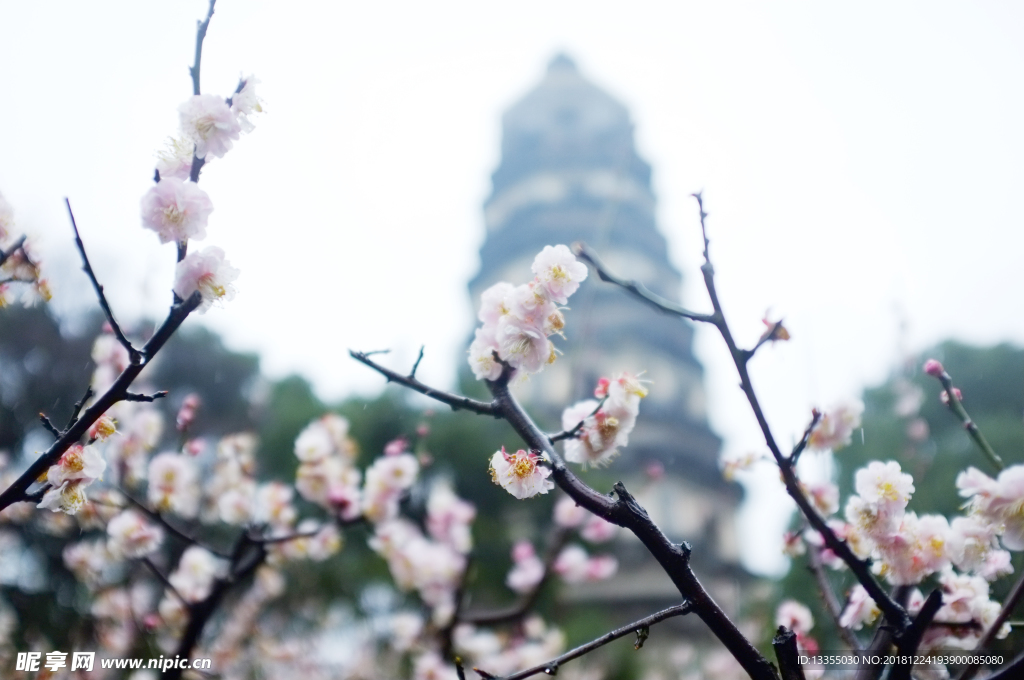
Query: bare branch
{"x": 794, "y": 455}
{"x": 78, "y": 406}
{"x": 49, "y": 426}
{"x": 132, "y": 396}
{"x": 133, "y": 354}
{"x": 551, "y": 667}
{"x": 164, "y": 580}
{"x": 455, "y": 401}
{"x": 412, "y": 373}
{"x": 200, "y": 37}
{"x": 788, "y": 655}
{"x": 636, "y": 288}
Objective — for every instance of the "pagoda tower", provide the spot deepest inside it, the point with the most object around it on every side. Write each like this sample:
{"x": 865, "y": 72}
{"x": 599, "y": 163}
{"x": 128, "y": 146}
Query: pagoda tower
{"x": 570, "y": 172}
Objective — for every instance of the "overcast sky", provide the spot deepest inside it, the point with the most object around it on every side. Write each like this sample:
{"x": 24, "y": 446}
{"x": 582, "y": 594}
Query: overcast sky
{"x": 862, "y": 164}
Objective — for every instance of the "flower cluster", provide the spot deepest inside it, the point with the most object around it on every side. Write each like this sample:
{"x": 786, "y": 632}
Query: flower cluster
{"x": 606, "y": 424}
{"x": 18, "y": 265}
{"x": 77, "y": 468}
{"x": 532, "y": 644}
{"x": 995, "y": 503}
{"x": 518, "y": 320}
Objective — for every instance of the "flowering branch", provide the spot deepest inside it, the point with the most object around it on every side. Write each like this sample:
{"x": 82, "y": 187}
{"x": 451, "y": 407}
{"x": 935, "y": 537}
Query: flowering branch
{"x": 175, "y": 531}
{"x": 551, "y": 667}
{"x": 51, "y": 428}
{"x": 894, "y": 612}
{"x": 133, "y": 353}
{"x": 117, "y": 392}
{"x": 935, "y": 369}
{"x": 572, "y": 433}
{"x": 454, "y": 400}
{"x": 802, "y": 444}
{"x": 1011, "y": 603}
{"x": 200, "y": 37}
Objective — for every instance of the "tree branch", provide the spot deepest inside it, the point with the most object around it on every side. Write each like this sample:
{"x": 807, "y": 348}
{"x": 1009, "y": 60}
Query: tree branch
{"x": 18, "y": 245}
{"x": 788, "y": 655}
{"x": 571, "y": 434}
{"x": 133, "y": 354}
{"x": 955, "y": 405}
{"x": 638, "y": 289}
{"x": 832, "y": 604}
{"x": 200, "y": 37}
{"x": 551, "y": 667}
{"x": 49, "y": 426}
{"x": 148, "y": 398}
{"x": 79, "y": 426}
{"x": 455, "y": 401}
{"x": 1012, "y": 600}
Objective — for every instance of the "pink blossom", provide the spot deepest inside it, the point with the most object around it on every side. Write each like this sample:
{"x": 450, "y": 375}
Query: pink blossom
{"x": 944, "y": 395}
{"x": 77, "y": 464}
{"x": 174, "y": 484}
{"x": 601, "y": 567}
{"x": 132, "y": 536}
{"x": 571, "y": 564}
{"x": 245, "y": 102}
{"x": 568, "y": 514}
{"x": 519, "y": 473}
{"x": 273, "y": 505}
{"x": 176, "y": 210}
{"x": 208, "y": 123}
{"x": 495, "y": 303}
{"x": 396, "y": 447}
{"x": 527, "y": 570}
{"x": 933, "y": 368}
{"x": 971, "y": 541}
{"x": 175, "y": 160}
{"x": 524, "y": 345}
{"x": 794, "y": 616}
{"x": 449, "y": 518}
{"x": 208, "y": 272}
{"x": 481, "y": 355}
{"x": 860, "y": 609}
{"x": 597, "y": 530}
{"x": 195, "y": 574}
{"x": 67, "y": 498}
{"x": 998, "y": 501}
{"x": 559, "y": 272}
{"x": 884, "y": 484}
{"x": 835, "y": 427}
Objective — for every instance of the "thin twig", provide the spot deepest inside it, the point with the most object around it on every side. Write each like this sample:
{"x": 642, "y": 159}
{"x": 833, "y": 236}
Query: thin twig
{"x": 200, "y": 37}
{"x": 164, "y": 580}
{"x": 551, "y": 667}
{"x": 283, "y": 539}
{"x": 794, "y": 455}
{"x": 571, "y": 433}
{"x": 133, "y": 354}
{"x": 412, "y": 373}
{"x": 78, "y": 406}
{"x": 173, "y": 530}
{"x": 455, "y": 401}
{"x": 49, "y": 426}
{"x": 957, "y": 407}
{"x": 832, "y": 604}
{"x": 4, "y": 254}
{"x": 636, "y": 288}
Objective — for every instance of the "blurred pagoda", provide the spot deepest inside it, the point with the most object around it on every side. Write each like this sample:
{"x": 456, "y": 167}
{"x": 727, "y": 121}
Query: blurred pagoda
{"x": 570, "y": 172}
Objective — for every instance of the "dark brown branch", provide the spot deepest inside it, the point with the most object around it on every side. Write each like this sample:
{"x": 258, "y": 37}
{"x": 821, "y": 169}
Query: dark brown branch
{"x": 49, "y": 426}
{"x": 1012, "y": 600}
{"x": 173, "y": 530}
{"x": 132, "y": 396}
{"x": 957, "y": 408}
{"x": 77, "y": 429}
{"x": 551, "y": 667}
{"x": 626, "y": 512}
{"x": 636, "y": 288}
{"x": 911, "y": 640}
{"x": 133, "y": 354}
{"x": 787, "y": 654}
{"x": 455, "y": 401}
{"x": 794, "y": 455}
{"x": 78, "y": 406}
{"x": 832, "y": 604}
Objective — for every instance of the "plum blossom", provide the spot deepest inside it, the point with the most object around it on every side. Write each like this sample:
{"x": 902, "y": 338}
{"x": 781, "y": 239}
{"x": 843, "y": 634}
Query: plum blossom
{"x": 449, "y": 518}
{"x": 568, "y": 514}
{"x": 527, "y": 570}
{"x": 519, "y": 473}
{"x": 175, "y": 159}
{"x": 208, "y": 272}
{"x": 196, "y": 571}
{"x": 176, "y": 210}
{"x": 524, "y": 345}
{"x": 174, "y": 484}
{"x": 999, "y": 501}
{"x": 207, "y": 121}
{"x": 77, "y": 464}
{"x": 598, "y": 530}
{"x": 245, "y": 102}
{"x": 131, "y": 536}
{"x": 575, "y": 566}
{"x": 794, "y": 616}
{"x": 494, "y": 303}
{"x": 860, "y": 609}
{"x": 835, "y": 427}
{"x": 67, "y": 498}
{"x": 558, "y": 272}
{"x": 884, "y": 485}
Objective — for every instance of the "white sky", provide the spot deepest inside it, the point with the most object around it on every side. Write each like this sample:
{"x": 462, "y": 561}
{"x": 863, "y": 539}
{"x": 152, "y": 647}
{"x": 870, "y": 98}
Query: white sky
{"x": 860, "y": 162}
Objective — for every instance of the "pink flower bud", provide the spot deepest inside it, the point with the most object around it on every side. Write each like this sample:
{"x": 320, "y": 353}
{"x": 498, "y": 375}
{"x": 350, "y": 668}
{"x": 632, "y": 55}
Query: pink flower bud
{"x": 944, "y": 395}
{"x": 422, "y": 430}
{"x": 396, "y": 447}
{"x": 601, "y": 391}
{"x": 655, "y": 471}
{"x": 522, "y": 550}
{"x": 187, "y": 412}
{"x": 933, "y": 368}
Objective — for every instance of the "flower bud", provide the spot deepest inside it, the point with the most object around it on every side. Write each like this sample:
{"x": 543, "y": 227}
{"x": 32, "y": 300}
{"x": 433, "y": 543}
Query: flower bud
{"x": 933, "y": 368}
